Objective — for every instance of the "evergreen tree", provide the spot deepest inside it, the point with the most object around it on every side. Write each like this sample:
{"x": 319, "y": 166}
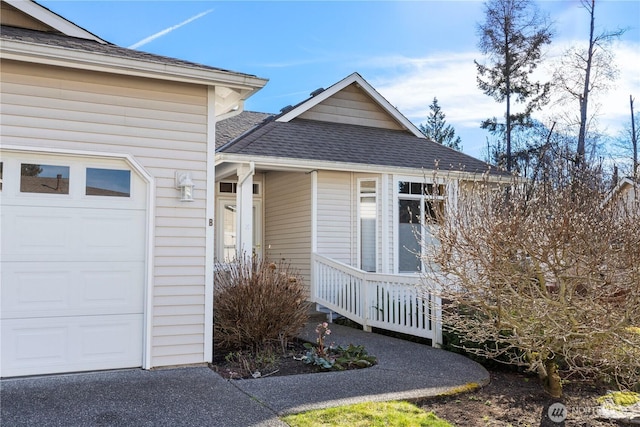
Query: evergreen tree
{"x": 437, "y": 129}
{"x": 512, "y": 37}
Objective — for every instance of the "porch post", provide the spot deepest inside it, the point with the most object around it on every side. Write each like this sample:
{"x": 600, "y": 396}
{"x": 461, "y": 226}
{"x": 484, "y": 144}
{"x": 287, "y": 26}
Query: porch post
{"x": 244, "y": 203}
{"x": 314, "y": 233}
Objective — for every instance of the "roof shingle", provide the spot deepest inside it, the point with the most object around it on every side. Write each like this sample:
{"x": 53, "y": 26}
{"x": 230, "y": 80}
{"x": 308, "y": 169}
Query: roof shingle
{"x": 335, "y": 142}
{"x": 233, "y": 127}
{"x": 74, "y": 43}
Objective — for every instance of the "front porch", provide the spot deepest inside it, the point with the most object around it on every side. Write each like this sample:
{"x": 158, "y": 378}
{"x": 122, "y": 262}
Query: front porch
{"x": 393, "y": 302}
{"x": 331, "y": 227}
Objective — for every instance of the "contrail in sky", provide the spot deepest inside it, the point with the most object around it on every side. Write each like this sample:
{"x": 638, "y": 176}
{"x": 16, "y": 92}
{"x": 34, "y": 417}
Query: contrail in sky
{"x": 168, "y": 30}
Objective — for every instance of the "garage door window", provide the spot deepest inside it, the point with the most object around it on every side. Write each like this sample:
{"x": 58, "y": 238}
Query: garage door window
{"x": 44, "y": 179}
{"x": 108, "y": 182}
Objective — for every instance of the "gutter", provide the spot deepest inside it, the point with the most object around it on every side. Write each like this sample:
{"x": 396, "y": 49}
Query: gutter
{"x": 86, "y": 60}
{"x": 302, "y": 165}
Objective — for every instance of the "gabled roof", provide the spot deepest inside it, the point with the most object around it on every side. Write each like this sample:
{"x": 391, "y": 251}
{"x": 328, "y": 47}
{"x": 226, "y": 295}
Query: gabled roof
{"x": 345, "y": 144}
{"x": 52, "y": 20}
{"x": 357, "y": 79}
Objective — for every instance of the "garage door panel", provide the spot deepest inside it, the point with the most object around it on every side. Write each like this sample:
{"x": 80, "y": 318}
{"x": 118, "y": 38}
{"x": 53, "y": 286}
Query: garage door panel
{"x": 68, "y": 344}
{"x": 72, "y": 234}
{"x": 63, "y": 289}
{"x": 31, "y": 232}
{"x": 34, "y": 290}
{"x": 110, "y": 234}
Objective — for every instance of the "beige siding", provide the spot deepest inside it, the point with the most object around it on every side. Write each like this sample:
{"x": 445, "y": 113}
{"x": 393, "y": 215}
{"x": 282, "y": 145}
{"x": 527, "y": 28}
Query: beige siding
{"x": 15, "y": 18}
{"x": 351, "y": 106}
{"x": 164, "y": 127}
{"x": 335, "y": 224}
{"x": 287, "y": 213}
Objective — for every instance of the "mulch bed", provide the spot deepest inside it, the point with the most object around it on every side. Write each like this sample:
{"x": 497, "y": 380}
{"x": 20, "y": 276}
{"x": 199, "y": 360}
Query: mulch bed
{"x": 517, "y": 399}
{"x": 286, "y": 364}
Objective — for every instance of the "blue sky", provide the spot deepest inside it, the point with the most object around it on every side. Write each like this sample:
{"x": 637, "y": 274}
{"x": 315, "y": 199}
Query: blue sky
{"x": 410, "y": 51}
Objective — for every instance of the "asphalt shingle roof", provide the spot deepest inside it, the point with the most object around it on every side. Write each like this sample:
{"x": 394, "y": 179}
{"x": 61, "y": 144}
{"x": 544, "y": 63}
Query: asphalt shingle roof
{"x": 335, "y": 142}
{"x": 231, "y": 128}
{"x": 74, "y": 43}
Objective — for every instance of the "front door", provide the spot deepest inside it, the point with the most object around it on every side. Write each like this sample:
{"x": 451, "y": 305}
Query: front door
{"x": 228, "y": 229}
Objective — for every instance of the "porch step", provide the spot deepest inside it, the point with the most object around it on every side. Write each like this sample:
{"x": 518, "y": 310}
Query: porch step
{"x": 319, "y": 313}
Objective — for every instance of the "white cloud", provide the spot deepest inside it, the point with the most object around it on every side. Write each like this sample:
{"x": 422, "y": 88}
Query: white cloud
{"x": 168, "y": 30}
{"x": 410, "y": 84}
{"x": 449, "y": 77}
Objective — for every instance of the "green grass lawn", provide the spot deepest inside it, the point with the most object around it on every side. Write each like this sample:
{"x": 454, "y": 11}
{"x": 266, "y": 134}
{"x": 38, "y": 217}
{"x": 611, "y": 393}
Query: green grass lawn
{"x": 370, "y": 414}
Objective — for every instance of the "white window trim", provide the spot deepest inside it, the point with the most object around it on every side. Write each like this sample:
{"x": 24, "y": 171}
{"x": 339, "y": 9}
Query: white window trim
{"x": 358, "y": 222}
{"x": 396, "y": 216}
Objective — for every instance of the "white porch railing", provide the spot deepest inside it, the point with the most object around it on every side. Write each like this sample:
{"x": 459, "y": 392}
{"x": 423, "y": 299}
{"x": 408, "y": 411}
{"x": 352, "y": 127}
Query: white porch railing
{"x": 395, "y": 302}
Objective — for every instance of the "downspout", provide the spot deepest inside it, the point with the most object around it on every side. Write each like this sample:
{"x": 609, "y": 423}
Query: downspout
{"x": 209, "y": 224}
{"x": 314, "y": 235}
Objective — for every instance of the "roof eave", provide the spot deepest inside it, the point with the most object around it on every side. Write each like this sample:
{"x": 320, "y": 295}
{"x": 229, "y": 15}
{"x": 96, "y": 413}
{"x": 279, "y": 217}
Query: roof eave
{"x": 53, "y": 20}
{"x": 305, "y": 165}
{"x": 57, "y": 56}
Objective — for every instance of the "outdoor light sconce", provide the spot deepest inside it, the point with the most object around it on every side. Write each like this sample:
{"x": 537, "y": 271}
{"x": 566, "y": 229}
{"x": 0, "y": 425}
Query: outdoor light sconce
{"x": 185, "y": 185}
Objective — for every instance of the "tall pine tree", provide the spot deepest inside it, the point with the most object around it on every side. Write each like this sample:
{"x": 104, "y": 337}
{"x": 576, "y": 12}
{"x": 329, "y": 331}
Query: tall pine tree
{"x": 437, "y": 129}
{"x": 512, "y": 38}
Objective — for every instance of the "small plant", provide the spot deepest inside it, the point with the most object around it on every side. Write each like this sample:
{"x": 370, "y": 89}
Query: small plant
{"x": 353, "y": 357}
{"x": 338, "y": 358}
{"x": 319, "y": 354}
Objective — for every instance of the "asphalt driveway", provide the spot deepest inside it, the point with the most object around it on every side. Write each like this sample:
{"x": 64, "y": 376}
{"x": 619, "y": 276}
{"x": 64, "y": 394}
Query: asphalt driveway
{"x": 197, "y": 396}
{"x": 171, "y": 397}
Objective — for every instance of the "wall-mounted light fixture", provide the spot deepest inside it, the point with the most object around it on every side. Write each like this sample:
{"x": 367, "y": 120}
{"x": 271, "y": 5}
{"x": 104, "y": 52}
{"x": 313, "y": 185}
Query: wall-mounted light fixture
{"x": 185, "y": 185}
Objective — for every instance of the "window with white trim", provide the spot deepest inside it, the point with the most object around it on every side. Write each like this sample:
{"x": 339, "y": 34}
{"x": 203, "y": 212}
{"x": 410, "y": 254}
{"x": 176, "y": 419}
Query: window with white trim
{"x": 367, "y": 224}
{"x": 107, "y": 182}
{"x": 419, "y": 204}
{"x": 50, "y": 179}
{"x": 232, "y": 187}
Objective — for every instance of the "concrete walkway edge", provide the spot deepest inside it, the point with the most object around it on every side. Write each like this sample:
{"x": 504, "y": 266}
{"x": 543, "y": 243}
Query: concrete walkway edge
{"x": 197, "y": 396}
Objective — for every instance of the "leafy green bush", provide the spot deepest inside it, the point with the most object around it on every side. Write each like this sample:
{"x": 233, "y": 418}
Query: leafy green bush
{"x": 257, "y": 304}
{"x": 336, "y": 358}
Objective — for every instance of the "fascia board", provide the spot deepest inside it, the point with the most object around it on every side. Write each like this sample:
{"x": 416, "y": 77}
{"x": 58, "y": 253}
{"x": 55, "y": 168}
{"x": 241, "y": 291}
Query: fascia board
{"x": 31, "y": 52}
{"x": 312, "y": 102}
{"x": 370, "y": 90}
{"x": 303, "y": 165}
{"x": 53, "y": 20}
{"x": 393, "y": 111}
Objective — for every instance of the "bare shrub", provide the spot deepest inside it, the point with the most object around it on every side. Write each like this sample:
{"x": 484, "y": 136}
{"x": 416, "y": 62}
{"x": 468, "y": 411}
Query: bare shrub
{"x": 542, "y": 276}
{"x": 257, "y": 304}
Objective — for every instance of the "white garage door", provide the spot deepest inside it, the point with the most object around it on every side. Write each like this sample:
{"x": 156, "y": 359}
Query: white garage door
{"x": 73, "y": 264}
